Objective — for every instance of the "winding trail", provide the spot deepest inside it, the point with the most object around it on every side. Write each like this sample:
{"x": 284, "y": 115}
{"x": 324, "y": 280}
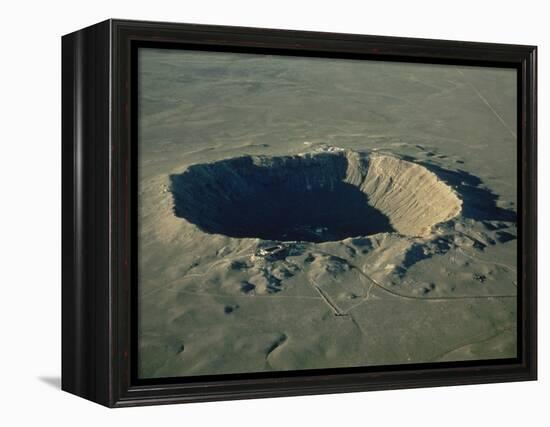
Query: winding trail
{"x": 397, "y": 294}
{"x": 337, "y": 311}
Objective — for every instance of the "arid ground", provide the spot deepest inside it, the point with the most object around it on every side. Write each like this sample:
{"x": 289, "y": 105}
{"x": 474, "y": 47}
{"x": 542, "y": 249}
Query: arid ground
{"x": 303, "y": 213}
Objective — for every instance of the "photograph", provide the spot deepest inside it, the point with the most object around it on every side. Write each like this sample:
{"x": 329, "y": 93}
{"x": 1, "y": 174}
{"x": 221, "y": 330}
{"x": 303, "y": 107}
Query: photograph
{"x": 308, "y": 212}
{"x": 271, "y": 214}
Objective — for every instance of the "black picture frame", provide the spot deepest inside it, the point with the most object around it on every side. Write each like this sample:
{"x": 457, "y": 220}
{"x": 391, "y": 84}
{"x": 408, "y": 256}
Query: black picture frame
{"x": 99, "y": 205}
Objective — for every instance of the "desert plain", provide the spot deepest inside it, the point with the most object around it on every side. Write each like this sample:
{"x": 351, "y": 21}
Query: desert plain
{"x": 307, "y": 213}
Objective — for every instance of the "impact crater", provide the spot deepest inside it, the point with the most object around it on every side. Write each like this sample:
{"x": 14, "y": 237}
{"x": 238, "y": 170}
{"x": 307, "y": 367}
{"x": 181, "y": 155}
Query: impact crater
{"x": 314, "y": 197}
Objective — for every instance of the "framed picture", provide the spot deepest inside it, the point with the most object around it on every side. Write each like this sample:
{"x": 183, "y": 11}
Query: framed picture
{"x": 258, "y": 213}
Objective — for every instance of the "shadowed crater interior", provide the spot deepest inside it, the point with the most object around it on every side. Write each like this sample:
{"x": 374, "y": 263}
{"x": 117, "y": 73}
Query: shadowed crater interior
{"x": 315, "y": 197}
